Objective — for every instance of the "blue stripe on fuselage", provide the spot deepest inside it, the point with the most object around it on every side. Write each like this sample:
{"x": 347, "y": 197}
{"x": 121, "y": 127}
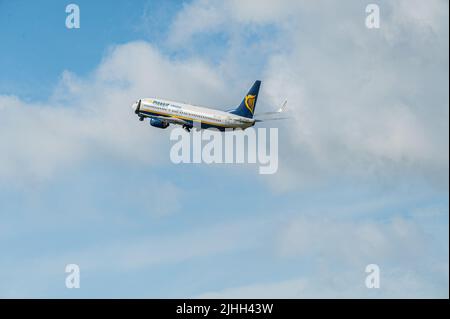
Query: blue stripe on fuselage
{"x": 190, "y": 122}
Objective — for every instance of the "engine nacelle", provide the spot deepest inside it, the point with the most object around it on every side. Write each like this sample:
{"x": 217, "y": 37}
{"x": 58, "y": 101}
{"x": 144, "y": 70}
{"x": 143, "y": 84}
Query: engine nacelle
{"x": 158, "y": 123}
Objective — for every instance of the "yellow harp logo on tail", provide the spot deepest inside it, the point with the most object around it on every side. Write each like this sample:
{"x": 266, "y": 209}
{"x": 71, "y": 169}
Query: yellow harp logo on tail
{"x": 250, "y": 102}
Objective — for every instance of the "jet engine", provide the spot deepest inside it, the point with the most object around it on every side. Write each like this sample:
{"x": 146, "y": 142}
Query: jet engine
{"x": 158, "y": 123}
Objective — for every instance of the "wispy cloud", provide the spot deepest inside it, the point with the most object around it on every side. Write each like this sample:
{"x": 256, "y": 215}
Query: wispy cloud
{"x": 370, "y": 103}
{"x": 370, "y": 112}
{"x": 88, "y": 117}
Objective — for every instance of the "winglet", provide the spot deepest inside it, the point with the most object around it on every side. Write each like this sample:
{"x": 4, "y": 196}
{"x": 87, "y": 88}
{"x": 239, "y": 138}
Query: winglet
{"x": 282, "y": 107}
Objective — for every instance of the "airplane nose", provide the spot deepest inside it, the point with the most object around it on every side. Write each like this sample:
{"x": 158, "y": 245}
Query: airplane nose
{"x": 136, "y": 107}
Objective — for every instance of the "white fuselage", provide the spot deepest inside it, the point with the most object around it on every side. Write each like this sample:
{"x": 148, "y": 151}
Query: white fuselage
{"x": 187, "y": 114}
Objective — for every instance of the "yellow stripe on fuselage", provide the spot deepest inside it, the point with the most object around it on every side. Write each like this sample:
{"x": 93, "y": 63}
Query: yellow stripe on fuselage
{"x": 185, "y": 118}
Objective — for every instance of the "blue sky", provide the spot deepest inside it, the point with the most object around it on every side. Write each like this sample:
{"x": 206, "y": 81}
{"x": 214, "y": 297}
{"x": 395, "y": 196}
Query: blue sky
{"x": 363, "y": 167}
{"x": 30, "y": 36}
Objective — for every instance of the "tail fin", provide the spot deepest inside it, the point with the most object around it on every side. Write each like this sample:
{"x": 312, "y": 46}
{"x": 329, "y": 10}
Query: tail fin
{"x": 248, "y": 104}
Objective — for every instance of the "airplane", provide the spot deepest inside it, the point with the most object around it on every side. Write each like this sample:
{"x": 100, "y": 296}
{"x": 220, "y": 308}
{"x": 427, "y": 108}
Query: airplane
{"x": 162, "y": 113}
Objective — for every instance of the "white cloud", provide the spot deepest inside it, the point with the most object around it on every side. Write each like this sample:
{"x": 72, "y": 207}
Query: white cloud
{"x": 91, "y": 117}
{"x": 367, "y": 103}
{"x": 430, "y": 14}
{"x": 194, "y": 18}
{"x": 352, "y": 242}
{"x": 124, "y": 257}
{"x": 330, "y": 245}
{"x": 348, "y": 284}
{"x": 364, "y": 105}
{"x": 210, "y": 16}
{"x": 332, "y": 254}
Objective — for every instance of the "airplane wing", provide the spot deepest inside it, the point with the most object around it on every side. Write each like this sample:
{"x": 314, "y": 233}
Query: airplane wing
{"x": 261, "y": 117}
{"x": 272, "y": 119}
{"x": 281, "y": 109}
{"x": 167, "y": 119}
